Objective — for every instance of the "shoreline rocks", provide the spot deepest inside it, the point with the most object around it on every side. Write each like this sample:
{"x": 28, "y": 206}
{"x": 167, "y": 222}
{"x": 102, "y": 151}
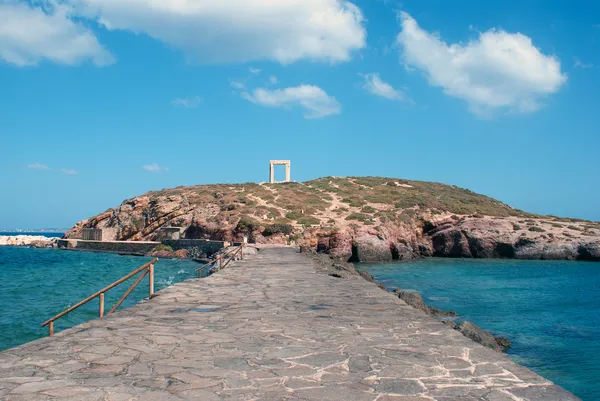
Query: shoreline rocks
{"x": 467, "y": 328}
{"x": 477, "y": 334}
{"x": 34, "y": 241}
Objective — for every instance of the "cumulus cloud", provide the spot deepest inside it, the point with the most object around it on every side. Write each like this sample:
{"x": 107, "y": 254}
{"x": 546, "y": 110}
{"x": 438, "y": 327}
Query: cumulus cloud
{"x": 154, "y": 168}
{"x": 30, "y": 34}
{"x": 255, "y": 71}
{"x": 68, "y": 171}
{"x": 314, "y": 100}
{"x": 239, "y": 30}
{"x": 188, "y": 102}
{"x": 38, "y": 166}
{"x": 497, "y": 71}
{"x": 273, "y": 80}
{"x": 375, "y": 86}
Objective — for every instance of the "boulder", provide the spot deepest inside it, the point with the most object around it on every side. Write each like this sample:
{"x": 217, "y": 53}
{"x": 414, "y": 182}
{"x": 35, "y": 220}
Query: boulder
{"x": 371, "y": 249}
{"x": 503, "y": 342}
{"x": 402, "y": 251}
{"x": 477, "y": 334}
{"x": 433, "y": 311}
{"x": 413, "y": 299}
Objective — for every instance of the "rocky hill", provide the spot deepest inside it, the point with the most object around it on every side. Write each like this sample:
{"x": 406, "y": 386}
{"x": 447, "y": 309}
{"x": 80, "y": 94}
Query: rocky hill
{"x": 357, "y": 218}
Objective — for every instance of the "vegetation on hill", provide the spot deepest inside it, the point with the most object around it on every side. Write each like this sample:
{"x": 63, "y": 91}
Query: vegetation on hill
{"x": 363, "y": 218}
{"x": 336, "y": 200}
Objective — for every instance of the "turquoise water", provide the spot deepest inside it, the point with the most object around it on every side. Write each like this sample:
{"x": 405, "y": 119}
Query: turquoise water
{"x": 36, "y": 284}
{"x": 34, "y": 233}
{"x": 550, "y": 310}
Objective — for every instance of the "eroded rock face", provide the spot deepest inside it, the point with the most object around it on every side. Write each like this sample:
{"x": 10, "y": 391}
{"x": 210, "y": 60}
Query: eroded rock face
{"x": 371, "y": 248}
{"x": 496, "y": 238}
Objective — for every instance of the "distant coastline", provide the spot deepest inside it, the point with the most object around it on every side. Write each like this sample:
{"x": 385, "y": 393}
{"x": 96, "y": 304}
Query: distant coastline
{"x": 35, "y": 231}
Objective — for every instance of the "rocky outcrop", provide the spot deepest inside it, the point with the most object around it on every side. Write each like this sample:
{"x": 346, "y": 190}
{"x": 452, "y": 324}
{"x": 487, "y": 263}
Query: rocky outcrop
{"x": 362, "y": 219}
{"x": 413, "y": 299}
{"x": 28, "y": 240}
{"x": 487, "y": 237}
{"x": 468, "y": 329}
{"x": 477, "y": 334}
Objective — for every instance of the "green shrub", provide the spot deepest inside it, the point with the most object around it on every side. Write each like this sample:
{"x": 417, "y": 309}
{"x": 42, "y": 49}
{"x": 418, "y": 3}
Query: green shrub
{"x": 247, "y": 224}
{"x": 273, "y": 229}
{"x": 309, "y": 221}
{"x": 516, "y": 227}
{"x": 162, "y": 247}
{"x": 575, "y": 228}
{"x": 537, "y": 229}
{"x": 359, "y": 217}
{"x": 294, "y": 215}
{"x": 368, "y": 209}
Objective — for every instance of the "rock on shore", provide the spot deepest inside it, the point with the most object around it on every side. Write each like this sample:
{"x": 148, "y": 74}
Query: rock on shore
{"x": 358, "y": 219}
{"x": 28, "y": 240}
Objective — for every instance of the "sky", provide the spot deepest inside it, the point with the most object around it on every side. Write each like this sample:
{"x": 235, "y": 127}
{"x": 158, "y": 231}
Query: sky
{"x": 103, "y": 100}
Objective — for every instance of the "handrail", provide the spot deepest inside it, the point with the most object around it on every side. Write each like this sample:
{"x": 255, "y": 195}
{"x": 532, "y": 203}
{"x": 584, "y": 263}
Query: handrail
{"x": 231, "y": 254}
{"x": 148, "y": 268}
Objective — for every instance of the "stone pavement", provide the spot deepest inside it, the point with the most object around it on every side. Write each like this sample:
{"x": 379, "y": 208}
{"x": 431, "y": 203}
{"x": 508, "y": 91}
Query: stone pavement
{"x": 270, "y": 327}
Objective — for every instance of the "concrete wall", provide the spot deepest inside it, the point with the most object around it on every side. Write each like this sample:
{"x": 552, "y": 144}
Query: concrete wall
{"x": 121, "y": 247}
{"x": 197, "y": 248}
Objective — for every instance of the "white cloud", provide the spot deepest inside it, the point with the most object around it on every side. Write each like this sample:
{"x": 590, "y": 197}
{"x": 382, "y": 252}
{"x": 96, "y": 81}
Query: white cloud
{"x": 314, "y": 100}
{"x": 38, "y": 166}
{"x": 255, "y": 71}
{"x": 68, "y": 171}
{"x": 188, "y": 102}
{"x": 577, "y": 63}
{"x": 237, "y": 84}
{"x": 375, "y": 86}
{"x": 498, "y": 71}
{"x": 154, "y": 168}
{"x": 273, "y": 80}
{"x": 239, "y": 30}
{"x": 29, "y": 34}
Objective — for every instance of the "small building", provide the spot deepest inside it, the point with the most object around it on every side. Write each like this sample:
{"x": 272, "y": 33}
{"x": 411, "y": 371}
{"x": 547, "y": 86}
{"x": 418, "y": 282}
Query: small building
{"x": 170, "y": 233}
{"x": 91, "y": 234}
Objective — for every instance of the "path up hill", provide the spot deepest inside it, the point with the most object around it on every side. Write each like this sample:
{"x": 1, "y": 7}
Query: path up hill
{"x": 358, "y": 218}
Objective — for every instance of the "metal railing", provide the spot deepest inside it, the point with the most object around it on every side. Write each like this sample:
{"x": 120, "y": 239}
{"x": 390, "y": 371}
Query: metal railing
{"x": 228, "y": 256}
{"x": 148, "y": 268}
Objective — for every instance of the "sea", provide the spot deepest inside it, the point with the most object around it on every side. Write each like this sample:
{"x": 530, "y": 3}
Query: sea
{"x": 550, "y": 310}
{"x": 37, "y": 284}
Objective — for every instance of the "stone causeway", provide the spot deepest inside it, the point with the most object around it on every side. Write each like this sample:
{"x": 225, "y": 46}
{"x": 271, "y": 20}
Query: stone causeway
{"x": 273, "y": 326}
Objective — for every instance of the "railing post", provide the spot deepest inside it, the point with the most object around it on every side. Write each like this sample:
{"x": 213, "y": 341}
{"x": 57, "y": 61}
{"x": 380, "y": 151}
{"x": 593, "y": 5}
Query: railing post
{"x": 151, "y": 274}
{"x": 101, "y": 305}
{"x": 51, "y": 328}
{"x": 220, "y": 262}
{"x": 242, "y": 251}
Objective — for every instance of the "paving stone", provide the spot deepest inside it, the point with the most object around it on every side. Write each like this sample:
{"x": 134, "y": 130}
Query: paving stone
{"x": 400, "y": 387}
{"x": 270, "y": 327}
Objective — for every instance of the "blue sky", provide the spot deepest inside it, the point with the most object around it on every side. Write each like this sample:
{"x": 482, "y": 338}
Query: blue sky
{"x": 102, "y": 100}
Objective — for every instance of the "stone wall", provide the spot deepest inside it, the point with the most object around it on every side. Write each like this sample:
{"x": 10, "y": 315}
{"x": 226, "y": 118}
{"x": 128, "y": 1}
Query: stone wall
{"x": 121, "y": 247}
{"x": 197, "y": 248}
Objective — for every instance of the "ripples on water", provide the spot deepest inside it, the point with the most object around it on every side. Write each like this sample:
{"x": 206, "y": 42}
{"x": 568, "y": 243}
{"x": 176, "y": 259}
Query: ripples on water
{"x": 36, "y": 284}
{"x": 550, "y": 310}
